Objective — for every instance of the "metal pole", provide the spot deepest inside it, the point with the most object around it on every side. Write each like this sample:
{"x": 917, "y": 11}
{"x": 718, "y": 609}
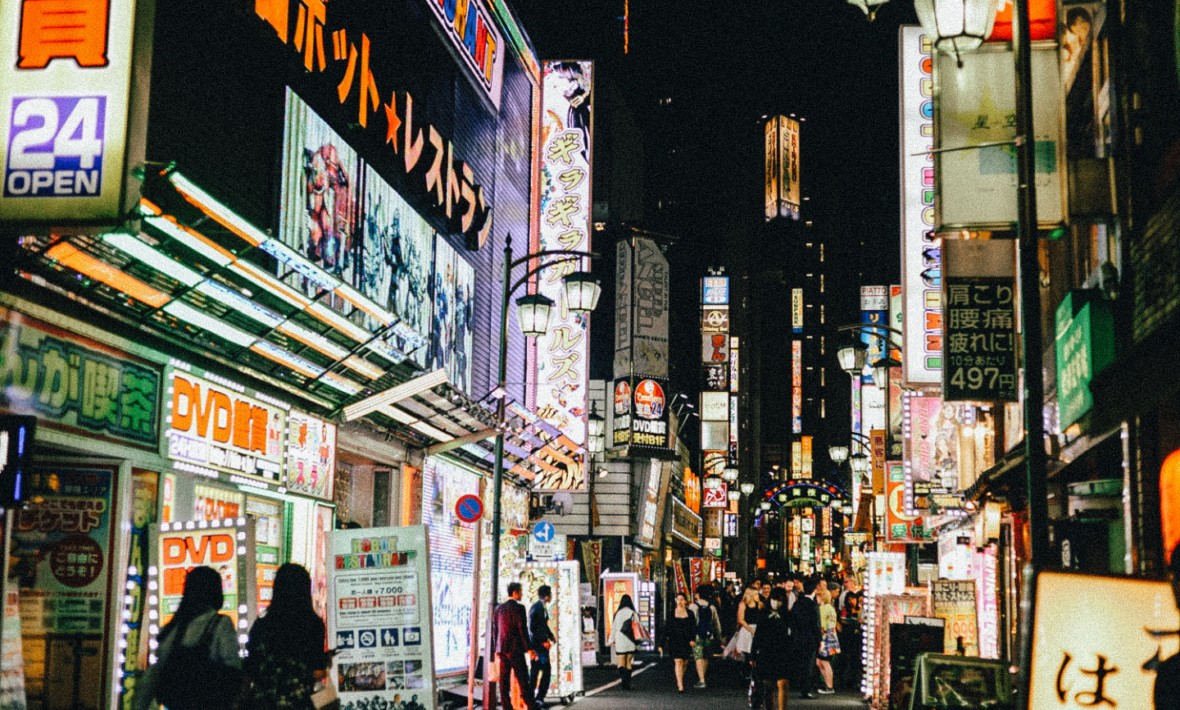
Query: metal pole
{"x": 1030, "y": 315}
{"x": 489, "y": 695}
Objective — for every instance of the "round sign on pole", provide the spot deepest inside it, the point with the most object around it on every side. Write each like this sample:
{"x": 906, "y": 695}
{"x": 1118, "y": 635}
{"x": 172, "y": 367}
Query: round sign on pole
{"x": 544, "y": 531}
{"x": 469, "y": 508}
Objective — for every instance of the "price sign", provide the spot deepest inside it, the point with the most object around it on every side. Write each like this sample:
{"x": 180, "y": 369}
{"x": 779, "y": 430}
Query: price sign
{"x": 979, "y": 343}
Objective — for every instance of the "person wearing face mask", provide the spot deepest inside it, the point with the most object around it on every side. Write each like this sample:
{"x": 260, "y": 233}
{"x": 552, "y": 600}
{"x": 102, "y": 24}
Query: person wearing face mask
{"x": 772, "y": 650}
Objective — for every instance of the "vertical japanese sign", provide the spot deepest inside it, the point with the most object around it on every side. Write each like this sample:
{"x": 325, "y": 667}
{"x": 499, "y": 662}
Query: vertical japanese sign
{"x": 788, "y": 185}
{"x": 805, "y": 445}
{"x": 734, "y": 378}
{"x": 1130, "y": 626}
{"x": 874, "y": 311}
{"x": 954, "y": 600}
{"x": 733, "y": 429}
{"x": 796, "y": 310}
{"x": 64, "y": 93}
{"x": 77, "y": 384}
{"x": 921, "y": 247}
{"x": 452, "y": 560}
{"x": 900, "y": 524}
{"x": 980, "y": 360}
{"x": 796, "y": 386}
{"x": 649, "y": 303}
{"x": 562, "y": 353}
{"x": 133, "y": 639}
{"x": 380, "y": 617}
{"x": 474, "y": 37}
{"x": 311, "y": 455}
{"x": 771, "y": 174}
{"x": 624, "y": 328}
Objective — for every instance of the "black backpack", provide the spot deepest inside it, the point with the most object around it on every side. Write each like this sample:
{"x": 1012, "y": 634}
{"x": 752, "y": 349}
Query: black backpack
{"x": 189, "y": 678}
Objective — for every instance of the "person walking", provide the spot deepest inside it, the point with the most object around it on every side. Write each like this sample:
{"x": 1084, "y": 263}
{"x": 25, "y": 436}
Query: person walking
{"x": 771, "y": 649}
{"x": 197, "y": 662}
{"x": 679, "y": 637}
{"x": 805, "y": 628}
{"x": 541, "y": 639}
{"x": 848, "y": 609}
{"x": 622, "y": 639}
{"x": 829, "y": 644}
{"x": 750, "y": 611}
{"x": 286, "y": 657}
{"x": 708, "y": 632}
{"x": 511, "y": 636}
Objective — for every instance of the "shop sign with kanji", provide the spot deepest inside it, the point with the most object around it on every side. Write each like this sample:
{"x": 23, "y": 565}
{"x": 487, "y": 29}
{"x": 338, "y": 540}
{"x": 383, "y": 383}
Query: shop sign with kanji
{"x": 77, "y": 384}
{"x": 979, "y": 358}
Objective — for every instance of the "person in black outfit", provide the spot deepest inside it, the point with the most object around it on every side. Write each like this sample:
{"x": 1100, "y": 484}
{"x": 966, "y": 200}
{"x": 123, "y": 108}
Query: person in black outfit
{"x": 680, "y": 632}
{"x": 772, "y": 649}
{"x": 541, "y": 639}
{"x": 286, "y": 656}
{"x": 805, "y": 629}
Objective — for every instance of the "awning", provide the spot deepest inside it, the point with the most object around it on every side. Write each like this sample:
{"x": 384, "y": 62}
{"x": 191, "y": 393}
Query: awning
{"x": 1004, "y": 476}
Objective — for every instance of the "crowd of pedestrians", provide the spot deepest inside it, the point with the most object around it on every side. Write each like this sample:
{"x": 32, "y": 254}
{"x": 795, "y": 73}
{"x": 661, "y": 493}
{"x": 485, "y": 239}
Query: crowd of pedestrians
{"x": 795, "y": 634}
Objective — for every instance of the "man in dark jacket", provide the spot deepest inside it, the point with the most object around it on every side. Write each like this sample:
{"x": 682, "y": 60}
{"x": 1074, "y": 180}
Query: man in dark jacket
{"x": 542, "y": 638}
{"x": 510, "y": 631}
{"x": 806, "y": 630}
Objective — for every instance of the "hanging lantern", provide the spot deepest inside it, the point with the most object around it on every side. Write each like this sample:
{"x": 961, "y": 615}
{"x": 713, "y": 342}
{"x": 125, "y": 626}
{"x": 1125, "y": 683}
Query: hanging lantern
{"x": 868, "y": 7}
{"x": 734, "y": 495}
{"x": 838, "y": 454}
{"x": 581, "y": 292}
{"x": 729, "y": 474}
{"x": 532, "y": 312}
{"x": 852, "y": 359}
{"x": 747, "y": 488}
{"x": 957, "y": 25}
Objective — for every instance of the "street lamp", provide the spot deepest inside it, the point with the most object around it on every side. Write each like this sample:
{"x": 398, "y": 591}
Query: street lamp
{"x": 764, "y": 505}
{"x": 852, "y": 359}
{"x": 869, "y": 7}
{"x": 860, "y": 463}
{"x": 734, "y": 495}
{"x": 747, "y": 488}
{"x": 596, "y": 424}
{"x": 729, "y": 474}
{"x": 838, "y": 454}
{"x": 533, "y": 316}
{"x": 957, "y": 25}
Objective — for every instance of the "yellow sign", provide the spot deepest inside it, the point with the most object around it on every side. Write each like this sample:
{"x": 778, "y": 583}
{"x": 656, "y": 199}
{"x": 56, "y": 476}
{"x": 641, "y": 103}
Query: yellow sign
{"x": 1095, "y": 642}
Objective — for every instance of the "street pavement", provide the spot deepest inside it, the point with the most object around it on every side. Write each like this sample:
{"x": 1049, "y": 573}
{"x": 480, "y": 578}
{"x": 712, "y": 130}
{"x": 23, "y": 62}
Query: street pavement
{"x": 654, "y": 688}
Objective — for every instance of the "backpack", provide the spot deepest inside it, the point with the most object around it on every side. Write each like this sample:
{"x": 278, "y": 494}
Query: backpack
{"x": 705, "y": 621}
{"x": 189, "y": 678}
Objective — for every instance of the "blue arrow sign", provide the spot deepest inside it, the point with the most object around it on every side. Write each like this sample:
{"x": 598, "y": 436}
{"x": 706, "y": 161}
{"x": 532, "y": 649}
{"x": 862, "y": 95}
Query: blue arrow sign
{"x": 543, "y": 531}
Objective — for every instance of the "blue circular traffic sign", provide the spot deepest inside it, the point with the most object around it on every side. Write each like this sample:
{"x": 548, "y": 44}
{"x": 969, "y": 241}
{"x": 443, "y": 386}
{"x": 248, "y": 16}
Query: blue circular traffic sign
{"x": 544, "y": 531}
{"x": 469, "y": 508}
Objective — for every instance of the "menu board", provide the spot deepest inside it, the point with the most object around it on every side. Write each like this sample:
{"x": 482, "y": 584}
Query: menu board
{"x": 380, "y": 623}
{"x": 452, "y": 560}
{"x": 954, "y": 600}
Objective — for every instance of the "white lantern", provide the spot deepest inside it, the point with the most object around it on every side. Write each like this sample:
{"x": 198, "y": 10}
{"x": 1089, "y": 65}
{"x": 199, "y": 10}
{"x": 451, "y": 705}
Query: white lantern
{"x": 729, "y": 474}
{"x": 881, "y": 370}
{"x": 595, "y": 424}
{"x": 860, "y": 463}
{"x": 532, "y": 312}
{"x": 957, "y": 25}
{"x": 734, "y": 495}
{"x": 869, "y": 7}
{"x": 852, "y": 359}
{"x": 747, "y": 488}
{"x": 581, "y": 292}
{"x": 838, "y": 454}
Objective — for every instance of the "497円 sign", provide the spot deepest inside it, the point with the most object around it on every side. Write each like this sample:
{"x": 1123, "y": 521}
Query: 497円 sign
{"x": 979, "y": 343}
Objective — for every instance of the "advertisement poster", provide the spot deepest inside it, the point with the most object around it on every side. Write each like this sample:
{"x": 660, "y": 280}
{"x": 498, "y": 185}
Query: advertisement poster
{"x": 452, "y": 561}
{"x": 987, "y": 603}
{"x": 319, "y": 572}
{"x": 592, "y": 559}
{"x": 451, "y": 336}
{"x": 63, "y": 544}
{"x": 380, "y": 620}
{"x": 145, "y": 487}
{"x": 216, "y": 427}
{"x": 980, "y": 336}
{"x": 226, "y": 546}
{"x": 932, "y": 450}
{"x": 12, "y": 660}
{"x": 311, "y": 455}
{"x": 561, "y": 355}
{"x": 565, "y": 619}
{"x": 614, "y": 586}
{"x": 954, "y": 600}
{"x": 900, "y": 525}
{"x": 1130, "y": 626}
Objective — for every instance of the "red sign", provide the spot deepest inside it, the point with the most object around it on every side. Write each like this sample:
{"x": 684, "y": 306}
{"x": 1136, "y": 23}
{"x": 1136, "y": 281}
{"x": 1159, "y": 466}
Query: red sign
{"x": 622, "y": 397}
{"x": 1042, "y": 21}
{"x": 649, "y": 400}
{"x": 469, "y": 508}
{"x": 717, "y": 497}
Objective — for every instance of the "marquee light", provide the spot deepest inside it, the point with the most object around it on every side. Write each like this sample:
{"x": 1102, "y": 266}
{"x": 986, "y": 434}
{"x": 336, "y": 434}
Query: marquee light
{"x": 396, "y": 394}
{"x": 224, "y": 215}
{"x": 192, "y": 316}
{"x": 135, "y": 248}
{"x": 191, "y": 239}
{"x": 68, "y": 255}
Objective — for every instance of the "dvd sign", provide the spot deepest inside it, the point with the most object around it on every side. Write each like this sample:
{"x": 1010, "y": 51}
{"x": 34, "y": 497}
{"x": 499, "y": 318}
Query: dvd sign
{"x": 621, "y": 431}
{"x": 641, "y": 413}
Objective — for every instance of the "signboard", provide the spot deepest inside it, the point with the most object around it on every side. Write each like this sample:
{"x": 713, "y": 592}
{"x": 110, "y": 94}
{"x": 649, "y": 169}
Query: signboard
{"x": 976, "y": 104}
{"x": 729, "y": 524}
{"x": 649, "y": 420}
{"x": 921, "y": 247}
{"x": 649, "y": 354}
{"x": 715, "y": 319}
{"x": 225, "y": 545}
{"x": 932, "y": 447}
{"x": 215, "y": 426}
{"x": 877, "y": 442}
{"x": 771, "y": 174}
{"x": 805, "y": 445}
{"x": 469, "y": 509}
{"x": 64, "y": 94}
{"x": 715, "y": 406}
{"x": 734, "y": 367}
{"x": 1130, "y": 626}
{"x": 716, "y": 497}
{"x": 874, "y": 310}
{"x": 954, "y": 600}
{"x": 621, "y": 434}
{"x": 716, "y": 377}
{"x": 979, "y": 320}
{"x": 562, "y": 354}
{"x": 782, "y": 168}
{"x": 686, "y": 525}
{"x": 733, "y": 429}
{"x": 564, "y": 616}
{"x": 715, "y": 290}
{"x": 796, "y": 386}
{"x": 900, "y": 525}
{"x": 797, "y": 310}
{"x": 311, "y": 455}
{"x": 714, "y": 348}
{"x": 379, "y": 621}
{"x": 476, "y": 40}
{"x": 650, "y": 505}
{"x": 692, "y": 490}
{"x": 796, "y": 459}
{"x": 76, "y": 384}
{"x": 1085, "y": 346}
{"x": 452, "y": 560}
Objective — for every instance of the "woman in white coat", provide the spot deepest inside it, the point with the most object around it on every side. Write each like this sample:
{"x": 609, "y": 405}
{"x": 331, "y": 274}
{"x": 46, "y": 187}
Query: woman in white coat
{"x": 622, "y": 638}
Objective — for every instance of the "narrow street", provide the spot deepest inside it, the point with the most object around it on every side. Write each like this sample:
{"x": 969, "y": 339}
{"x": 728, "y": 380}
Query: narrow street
{"x": 654, "y": 688}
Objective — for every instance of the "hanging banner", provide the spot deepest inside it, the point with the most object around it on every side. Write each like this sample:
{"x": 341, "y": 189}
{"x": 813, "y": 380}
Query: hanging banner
{"x": 681, "y": 584}
{"x": 696, "y": 569}
{"x": 311, "y": 455}
{"x": 976, "y": 104}
{"x": 954, "y": 600}
{"x": 380, "y": 622}
{"x": 592, "y": 559}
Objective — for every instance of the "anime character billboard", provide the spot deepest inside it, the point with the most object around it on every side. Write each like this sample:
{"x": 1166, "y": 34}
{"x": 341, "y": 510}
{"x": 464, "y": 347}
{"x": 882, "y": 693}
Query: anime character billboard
{"x": 454, "y": 302}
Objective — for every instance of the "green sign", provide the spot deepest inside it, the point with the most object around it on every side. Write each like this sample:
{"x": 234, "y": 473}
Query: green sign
{"x": 76, "y": 383}
{"x": 1085, "y": 346}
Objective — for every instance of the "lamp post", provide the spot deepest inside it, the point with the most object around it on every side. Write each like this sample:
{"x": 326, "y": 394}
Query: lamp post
{"x": 581, "y": 294}
{"x": 869, "y": 7}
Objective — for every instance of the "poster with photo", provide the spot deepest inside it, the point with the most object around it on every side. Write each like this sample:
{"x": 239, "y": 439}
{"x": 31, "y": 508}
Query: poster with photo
{"x": 396, "y": 263}
{"x": 380, "y": 620}
{"x": 452, "y": 560}
{"x": 311, "y": 455}
{"x": 320, "y": 195}
{"x": 450, "y": 333}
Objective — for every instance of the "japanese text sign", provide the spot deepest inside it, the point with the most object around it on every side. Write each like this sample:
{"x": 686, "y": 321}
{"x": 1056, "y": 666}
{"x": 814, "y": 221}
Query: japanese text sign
{"x": 1085, "y": 346}
{"x": 77, "y": 384}
{"x": 64, "y": 90}
{"x": 954, "y": 600}
{"x": 561, "y": 356}
{"x": 715, "y": 290}
{"x": 474, "y": 37}
{"x": 225, "y": 545}
{"x": 1110, "y": 659}
{"x": 901, "y": 525}
{"x": 311, "y": 455}
{"x": 979, "y": 363}
{"x": 216, "y": 426}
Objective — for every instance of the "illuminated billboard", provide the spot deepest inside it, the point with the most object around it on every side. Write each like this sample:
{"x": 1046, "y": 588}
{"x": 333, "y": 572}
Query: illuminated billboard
{"x": 452, "y": 559}
{"x": 451, "y": 328}
{"x": 796, "y": 386}
{"x": 921, "y": 247}
{"x": 561, "y": 355}
{"x": 782, "y": 168}
{"x": 641, "y": 309}
{"x": 797, "y": 310}
{"x": 476, "y": 41}
{"x": 64, "y": 93}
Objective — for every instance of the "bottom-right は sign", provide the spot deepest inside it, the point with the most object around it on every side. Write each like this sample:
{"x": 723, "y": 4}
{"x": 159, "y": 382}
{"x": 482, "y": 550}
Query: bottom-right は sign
{"x": 1098, "y": 640}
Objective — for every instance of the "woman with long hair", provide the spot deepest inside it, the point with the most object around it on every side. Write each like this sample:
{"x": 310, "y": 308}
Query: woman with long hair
{"x": 679, "y": 636}
{"x": 829, "y": 644}
{"x": 286, "y": 647}
{"x": 197, "y": 662}
{"x": 622, "y": 638}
